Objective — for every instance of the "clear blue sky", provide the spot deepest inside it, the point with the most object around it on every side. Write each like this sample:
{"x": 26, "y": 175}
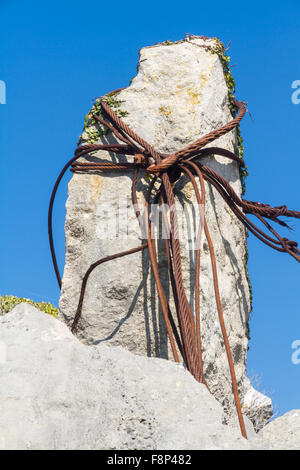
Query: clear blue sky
{"x": 57, "y": 56}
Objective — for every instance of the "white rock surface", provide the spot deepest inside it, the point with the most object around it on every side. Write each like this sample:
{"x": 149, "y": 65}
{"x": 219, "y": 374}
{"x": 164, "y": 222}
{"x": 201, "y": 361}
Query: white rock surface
{"x": 56, "y": 393}
{"x": 178, "y": 95}
{"x": 284, "y": 432}
{"x": 257, "y": 406}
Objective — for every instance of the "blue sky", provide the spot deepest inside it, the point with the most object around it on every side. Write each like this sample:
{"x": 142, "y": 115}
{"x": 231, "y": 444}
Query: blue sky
{"x": 56, "y": 57}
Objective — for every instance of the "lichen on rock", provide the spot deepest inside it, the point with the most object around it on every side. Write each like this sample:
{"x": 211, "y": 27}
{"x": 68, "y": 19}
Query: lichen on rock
{"x": 9, "y": 302}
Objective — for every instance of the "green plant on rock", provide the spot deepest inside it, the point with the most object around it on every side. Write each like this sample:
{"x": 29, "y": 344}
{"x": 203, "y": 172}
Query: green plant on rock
{"x": 8, "y": 302}
{"x": 220, "y": 50}
{"x": 92, "y": 129}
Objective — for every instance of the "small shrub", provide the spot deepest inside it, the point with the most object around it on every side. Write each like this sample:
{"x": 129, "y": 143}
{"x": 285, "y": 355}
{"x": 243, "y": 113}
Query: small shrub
{"x": 8, "y": 302}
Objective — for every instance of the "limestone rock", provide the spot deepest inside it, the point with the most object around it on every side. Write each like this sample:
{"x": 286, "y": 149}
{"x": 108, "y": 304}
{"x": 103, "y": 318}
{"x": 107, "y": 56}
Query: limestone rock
{"x": 178, "y": 95}
{"x": 57, "y": 393}
{"x": 257, "y": 406}
{"x": 283, "y": 433}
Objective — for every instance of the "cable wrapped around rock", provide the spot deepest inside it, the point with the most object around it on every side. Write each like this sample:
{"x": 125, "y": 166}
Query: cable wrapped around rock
{"x": 166, "y": 169}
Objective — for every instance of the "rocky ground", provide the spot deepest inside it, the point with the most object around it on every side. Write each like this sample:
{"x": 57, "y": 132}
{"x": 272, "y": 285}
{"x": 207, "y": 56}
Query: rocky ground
{"x": 57, "y": 393}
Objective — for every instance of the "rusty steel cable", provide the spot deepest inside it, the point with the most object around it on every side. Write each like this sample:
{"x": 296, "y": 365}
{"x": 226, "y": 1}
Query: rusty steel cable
{"x": 184, "y": 331}
{"x": 217, "y": 295}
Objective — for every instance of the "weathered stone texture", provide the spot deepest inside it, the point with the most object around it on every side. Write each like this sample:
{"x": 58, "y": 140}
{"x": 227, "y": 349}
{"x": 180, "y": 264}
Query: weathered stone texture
{"x": 178, "y": 95}
{"x": 283, "y": 433}
{"x": 57, "y": 393}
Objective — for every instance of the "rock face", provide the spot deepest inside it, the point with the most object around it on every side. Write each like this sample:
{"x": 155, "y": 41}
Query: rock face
{"x": 56, "y": 393}
{"x": 284, "y": 432}
{"x": 178, "y": 95}
{"x": 257, "y": 406}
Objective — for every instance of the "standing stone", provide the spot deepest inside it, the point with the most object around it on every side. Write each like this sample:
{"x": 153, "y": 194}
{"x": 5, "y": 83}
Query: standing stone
{"x": 178, "y": 95}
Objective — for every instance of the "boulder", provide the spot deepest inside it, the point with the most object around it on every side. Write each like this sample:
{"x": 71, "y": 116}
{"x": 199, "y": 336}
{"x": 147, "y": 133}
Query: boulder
{"x": 57, "y": 393}
{"x": 283, "y": 433}
{"x": 257, "y": 406}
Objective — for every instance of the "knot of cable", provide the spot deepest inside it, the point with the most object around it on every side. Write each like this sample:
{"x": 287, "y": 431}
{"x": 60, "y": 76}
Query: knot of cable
{"x": 288, "y": 244}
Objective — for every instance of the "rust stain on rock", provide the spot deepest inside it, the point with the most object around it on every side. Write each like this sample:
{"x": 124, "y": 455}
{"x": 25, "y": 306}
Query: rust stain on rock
{"x": 95, "y": 186}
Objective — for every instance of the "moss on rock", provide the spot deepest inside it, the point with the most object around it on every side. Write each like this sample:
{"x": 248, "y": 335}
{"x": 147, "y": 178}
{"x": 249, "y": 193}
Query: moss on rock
{"x": 92, "y": 130}
{"x": 8, "y": 302}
